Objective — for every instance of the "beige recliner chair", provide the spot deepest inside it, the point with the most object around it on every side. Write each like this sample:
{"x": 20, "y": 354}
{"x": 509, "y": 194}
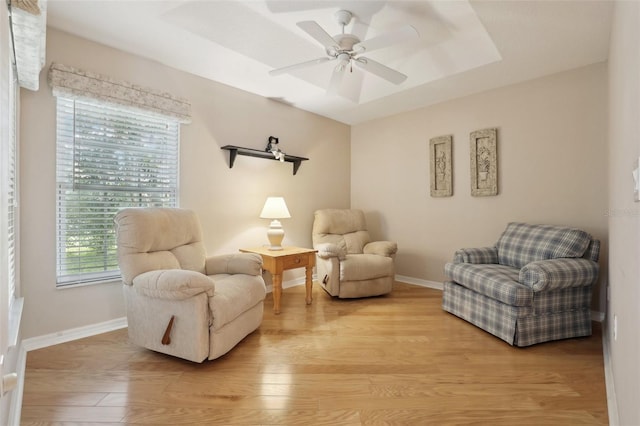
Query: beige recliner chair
{"x": 178, "y": 301}
{"x": 350, "y": 265}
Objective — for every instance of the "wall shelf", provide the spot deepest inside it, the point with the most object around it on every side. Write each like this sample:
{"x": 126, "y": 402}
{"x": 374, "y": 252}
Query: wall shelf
{"x": 234, "y": 151}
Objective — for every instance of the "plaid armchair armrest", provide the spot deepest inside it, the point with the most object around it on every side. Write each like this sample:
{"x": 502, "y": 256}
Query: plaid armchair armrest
{"x": 480, "y": 255}
{"x": 559, "y": 273}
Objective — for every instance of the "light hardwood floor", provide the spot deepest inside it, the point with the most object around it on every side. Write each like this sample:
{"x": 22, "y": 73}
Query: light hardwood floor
{"x": 397, "y": 359}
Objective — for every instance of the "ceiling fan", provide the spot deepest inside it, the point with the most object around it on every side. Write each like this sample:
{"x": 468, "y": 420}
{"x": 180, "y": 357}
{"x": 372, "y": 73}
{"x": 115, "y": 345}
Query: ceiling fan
{"x": 347, "y": 49}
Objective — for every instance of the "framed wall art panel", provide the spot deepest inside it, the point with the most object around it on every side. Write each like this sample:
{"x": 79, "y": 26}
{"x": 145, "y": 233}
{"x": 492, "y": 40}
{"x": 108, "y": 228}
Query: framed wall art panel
{"x": 440, "y": 170}
{"x": 484, "y": 163}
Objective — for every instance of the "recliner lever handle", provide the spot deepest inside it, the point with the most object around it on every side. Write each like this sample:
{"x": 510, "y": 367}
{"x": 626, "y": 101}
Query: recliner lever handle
{"x": 166, "y": 337}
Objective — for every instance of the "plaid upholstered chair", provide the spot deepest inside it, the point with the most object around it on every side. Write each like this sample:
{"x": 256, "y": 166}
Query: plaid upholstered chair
{"x": 533, "y": 286}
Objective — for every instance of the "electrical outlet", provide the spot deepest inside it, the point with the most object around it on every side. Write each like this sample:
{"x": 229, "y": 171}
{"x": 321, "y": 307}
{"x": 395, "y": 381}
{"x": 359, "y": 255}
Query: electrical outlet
{"x": 615, "y": 327}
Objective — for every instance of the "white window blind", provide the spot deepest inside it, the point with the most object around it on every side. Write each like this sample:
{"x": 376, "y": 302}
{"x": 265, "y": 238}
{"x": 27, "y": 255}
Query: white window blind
{"x": 107, "y": 158}
{"x": 12, "y": 186}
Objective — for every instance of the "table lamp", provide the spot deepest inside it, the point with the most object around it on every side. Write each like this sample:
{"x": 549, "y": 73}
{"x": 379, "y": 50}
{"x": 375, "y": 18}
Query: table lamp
{"x": 275, "y": 208}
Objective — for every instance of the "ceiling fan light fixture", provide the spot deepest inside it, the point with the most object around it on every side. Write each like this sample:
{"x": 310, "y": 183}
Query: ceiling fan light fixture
{"x": 343, "y": 61}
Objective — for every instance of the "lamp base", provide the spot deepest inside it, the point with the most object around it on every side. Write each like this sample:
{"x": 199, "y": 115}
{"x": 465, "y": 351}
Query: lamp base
{"x": 275, "y": 234}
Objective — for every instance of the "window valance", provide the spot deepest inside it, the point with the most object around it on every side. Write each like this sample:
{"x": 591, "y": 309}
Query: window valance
{"x": 29, "y": 25}
{"x": 73, "y": 83}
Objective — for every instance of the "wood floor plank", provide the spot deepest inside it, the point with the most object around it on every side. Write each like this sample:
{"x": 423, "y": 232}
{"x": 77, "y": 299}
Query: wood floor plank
{"x": 462, "y": 417}
{"x": 65, "y": 413}
{"x": 396, "y": 359}
{"x": 210, "y": 400}
{"x": 45, "y": 398}
{"x": 211, "y": 416}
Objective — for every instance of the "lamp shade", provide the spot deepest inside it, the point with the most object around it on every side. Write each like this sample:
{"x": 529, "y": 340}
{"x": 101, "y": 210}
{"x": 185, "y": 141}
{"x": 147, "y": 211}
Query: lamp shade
{"x": 275, "y": 208}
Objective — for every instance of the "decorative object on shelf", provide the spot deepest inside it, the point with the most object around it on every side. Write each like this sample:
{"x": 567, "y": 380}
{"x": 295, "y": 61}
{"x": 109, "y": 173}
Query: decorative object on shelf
{"x": 272, "y": 147}
{"x": 249, "y": 152}
{"x": 440, "y": 159}
{"x": 484, "y": 163}
{"x": 275, "y": 208}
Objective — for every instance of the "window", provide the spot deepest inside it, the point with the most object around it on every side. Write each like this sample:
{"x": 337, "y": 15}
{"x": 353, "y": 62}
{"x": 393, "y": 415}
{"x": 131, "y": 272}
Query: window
{"x": 108, "y": 158}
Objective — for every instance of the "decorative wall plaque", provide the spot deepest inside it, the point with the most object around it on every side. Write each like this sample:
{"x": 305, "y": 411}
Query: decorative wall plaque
{"x": 484, "y": 163}
{"x": 440, "y": 171}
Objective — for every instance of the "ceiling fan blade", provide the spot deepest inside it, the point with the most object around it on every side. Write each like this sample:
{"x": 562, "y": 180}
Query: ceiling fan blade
{"x": 301, "y": 65}
{"x": 336, "y": 81}
{"x": 317, "y": 33}
{"x": 380, "y": 70}
{"x": 390, "y": 38}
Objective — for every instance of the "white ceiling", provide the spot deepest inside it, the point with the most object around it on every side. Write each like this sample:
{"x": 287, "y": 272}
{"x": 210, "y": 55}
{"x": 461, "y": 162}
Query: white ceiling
{"x": 464, "y": 47}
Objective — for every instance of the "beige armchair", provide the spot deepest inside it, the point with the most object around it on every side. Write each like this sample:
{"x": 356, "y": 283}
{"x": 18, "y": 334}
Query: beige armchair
{"x": 350, "y": 265}
{"x": 179, "y": 301}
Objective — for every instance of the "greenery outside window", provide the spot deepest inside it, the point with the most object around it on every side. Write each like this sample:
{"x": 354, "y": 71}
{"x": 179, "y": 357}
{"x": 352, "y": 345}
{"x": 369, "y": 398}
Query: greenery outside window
{"x": 108, "y": 158}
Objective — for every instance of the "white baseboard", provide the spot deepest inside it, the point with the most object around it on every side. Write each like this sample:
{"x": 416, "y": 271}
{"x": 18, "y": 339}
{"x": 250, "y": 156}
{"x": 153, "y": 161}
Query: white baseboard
{"x": 33, "y": 343}
{"x": 289, "y": 283}
{"x": 39, "y": 342}
{"x": 612, "y": 405}
{"x": 400, "y": 278}
{"x": 15, "y": 408}
{"x": 420, "y": 282}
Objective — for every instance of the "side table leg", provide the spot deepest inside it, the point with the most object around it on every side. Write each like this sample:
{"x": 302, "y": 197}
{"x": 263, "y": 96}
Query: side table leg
{"x": 308, "y": 283}
{"x": 277, "y": 292}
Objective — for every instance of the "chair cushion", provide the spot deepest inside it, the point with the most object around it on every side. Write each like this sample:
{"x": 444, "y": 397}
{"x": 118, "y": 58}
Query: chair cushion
{"x": 498, "y": 282}
{"x": 345, "y": 228}
{"x": 338, "y": 221}
{"x": 234, "y": 295}
{"x": 158, "y": 238}
{"x": 358, "y": 267}
{"x": 522, "y": 243}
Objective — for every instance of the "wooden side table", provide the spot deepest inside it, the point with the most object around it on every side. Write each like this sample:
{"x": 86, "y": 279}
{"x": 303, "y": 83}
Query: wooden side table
{"x": 278, "y": 261}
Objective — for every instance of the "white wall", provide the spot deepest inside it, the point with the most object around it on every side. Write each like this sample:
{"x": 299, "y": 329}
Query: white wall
{"x": 552, "y": 168}
{"x": 228, "y": 201}
{"x": 624, "y": 220}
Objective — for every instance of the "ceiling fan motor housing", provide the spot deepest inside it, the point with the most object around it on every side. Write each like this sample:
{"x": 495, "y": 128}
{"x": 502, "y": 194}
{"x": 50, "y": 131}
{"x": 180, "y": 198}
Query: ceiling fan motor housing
{"x": 346, "y": 41}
